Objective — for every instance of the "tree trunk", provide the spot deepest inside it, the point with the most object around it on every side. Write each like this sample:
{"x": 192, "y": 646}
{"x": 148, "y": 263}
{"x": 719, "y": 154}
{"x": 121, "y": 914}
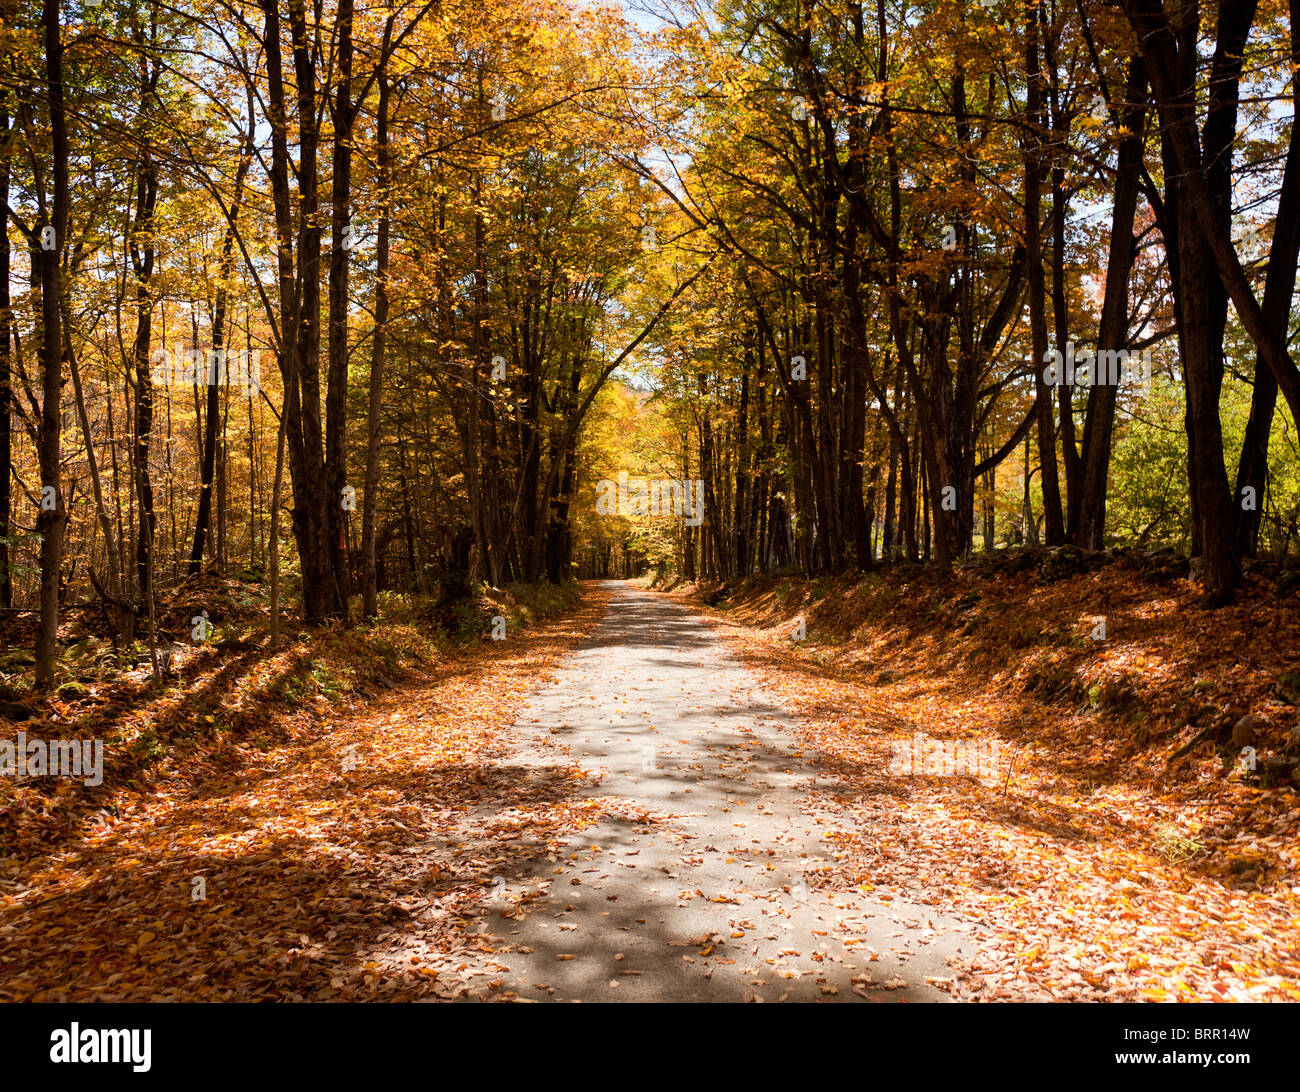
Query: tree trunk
{"x": 1034, "y": 174}
{"x": 1089, "y": 529}
{"x": 336, "y": 389}
{"x": 6, "y": 472}
{"x": 370, "y": 500}
{"x": 53, "y": 514}
{"x": 1279, "y": 286}
{"x": 207, "y": 472}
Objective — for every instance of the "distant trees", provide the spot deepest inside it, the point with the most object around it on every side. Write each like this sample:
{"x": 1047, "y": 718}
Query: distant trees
{"x": 836, "y": 243}
{"x": 415, "y": 214}
{"x": 910, "y": 194}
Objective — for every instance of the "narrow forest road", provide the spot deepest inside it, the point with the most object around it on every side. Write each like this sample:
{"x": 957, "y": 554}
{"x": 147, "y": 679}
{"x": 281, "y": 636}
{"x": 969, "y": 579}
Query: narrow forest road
{"x": 716, "y": 894}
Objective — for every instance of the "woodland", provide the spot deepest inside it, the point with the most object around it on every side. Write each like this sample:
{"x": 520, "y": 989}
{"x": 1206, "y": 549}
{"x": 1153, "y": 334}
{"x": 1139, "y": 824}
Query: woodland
{"x": 362, "y": 299}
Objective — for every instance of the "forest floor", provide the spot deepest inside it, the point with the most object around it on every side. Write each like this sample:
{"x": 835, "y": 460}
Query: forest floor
{"x": 623, "y": 801}
{"x": 603, "y": 806}
{"x": 1101, "y": 862}
{"x": 319, "y": 824}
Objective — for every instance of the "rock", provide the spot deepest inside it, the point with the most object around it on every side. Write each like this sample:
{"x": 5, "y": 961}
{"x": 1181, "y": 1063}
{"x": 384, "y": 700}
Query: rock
{"x": 1022, "y": 559}
{"x": 14, "y": 710}
{"x": 716, "y": 595}
{"x": 1061, "y": 562}
{"x": 1249, "y": 730}
{"x": 1277, "y": 769}
{"x": 71, "y": 691}
{"x": 1288, "y": 687}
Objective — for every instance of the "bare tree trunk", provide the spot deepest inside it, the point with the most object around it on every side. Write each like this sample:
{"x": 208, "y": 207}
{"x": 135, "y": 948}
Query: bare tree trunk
{"x": 1279, "y": 286}
{"x": 273, "y": 545}
{"x": 101, "y": 511}
{"x": 142, "y": 252}
{"x": 336, "y": 389}
{"x": 6, "y": 582}
{"x": 207, "y": 473}
{"x": 53, "y": 514}
{"x": 1044, "y": 411}
{"x": 1089, "y": 530}
{"x": 370, "y": 500}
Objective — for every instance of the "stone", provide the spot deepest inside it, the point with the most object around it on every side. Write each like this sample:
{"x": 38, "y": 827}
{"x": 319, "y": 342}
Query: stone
{"x": 1277, "y": 769}
{"x": 1249, "y": 730}
{"x": 71, "y": 691}
{"x": 13, "y": 710}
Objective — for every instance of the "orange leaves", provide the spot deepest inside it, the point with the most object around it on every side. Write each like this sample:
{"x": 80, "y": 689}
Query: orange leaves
{"x": 1099, "y": 876}
{"x": 392, "y": 853}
